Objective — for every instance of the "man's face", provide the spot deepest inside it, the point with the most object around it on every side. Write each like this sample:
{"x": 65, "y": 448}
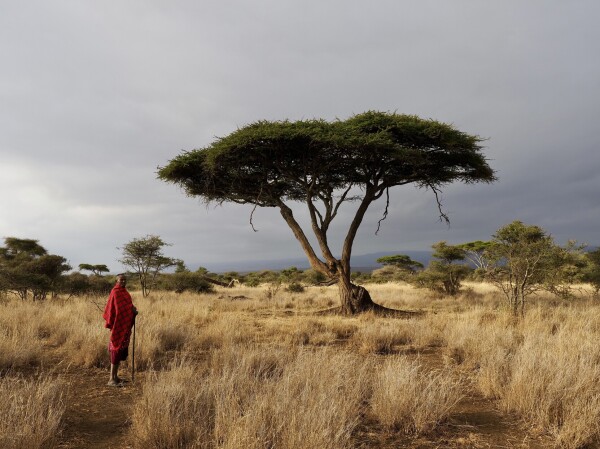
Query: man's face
{"x": 122, "y": 281}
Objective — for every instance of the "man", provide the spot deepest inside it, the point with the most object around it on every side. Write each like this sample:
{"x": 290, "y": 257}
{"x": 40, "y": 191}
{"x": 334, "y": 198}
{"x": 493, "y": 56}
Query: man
{"x": 119, "y": 315}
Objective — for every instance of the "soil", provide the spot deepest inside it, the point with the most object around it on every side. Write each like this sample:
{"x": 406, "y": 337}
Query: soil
{"x": 99, "y": 417}
{"x": 476, "y": 423}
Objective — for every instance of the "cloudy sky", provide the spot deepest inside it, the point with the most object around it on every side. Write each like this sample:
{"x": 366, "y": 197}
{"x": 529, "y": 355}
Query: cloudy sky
{"x": 94, "y": 96}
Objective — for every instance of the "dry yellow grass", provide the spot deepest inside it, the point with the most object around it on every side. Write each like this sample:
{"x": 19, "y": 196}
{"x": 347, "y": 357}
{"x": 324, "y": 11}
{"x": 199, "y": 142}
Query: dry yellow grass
{"x": 545, "y": 367}
{"x": 254, "y": 398}
{"x": 31, "y": 412}
{"x": 411, "y": 399}
{"x": 382, "y": 337}
{"x": 249, "y": 372}
{"x": 20, "y": 334}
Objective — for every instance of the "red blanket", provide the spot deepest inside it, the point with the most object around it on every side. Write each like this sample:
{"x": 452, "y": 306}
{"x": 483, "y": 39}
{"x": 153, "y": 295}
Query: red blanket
{"x": 119, "y": 316}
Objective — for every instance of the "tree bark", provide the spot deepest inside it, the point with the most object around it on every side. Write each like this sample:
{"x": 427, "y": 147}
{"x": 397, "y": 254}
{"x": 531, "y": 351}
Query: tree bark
{"x": 354, "y": 298}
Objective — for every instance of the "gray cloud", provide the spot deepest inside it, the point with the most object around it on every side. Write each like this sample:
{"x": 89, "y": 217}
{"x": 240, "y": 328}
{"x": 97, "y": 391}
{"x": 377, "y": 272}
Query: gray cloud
{"x": 95, "y": 96}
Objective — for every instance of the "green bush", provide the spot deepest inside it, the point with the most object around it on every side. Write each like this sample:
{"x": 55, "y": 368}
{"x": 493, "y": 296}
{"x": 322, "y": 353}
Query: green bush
{"x": 185, "y": 281}
{"x": 295, "y": 287}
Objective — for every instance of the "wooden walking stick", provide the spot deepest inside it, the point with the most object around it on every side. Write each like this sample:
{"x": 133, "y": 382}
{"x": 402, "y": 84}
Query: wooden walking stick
{"x": 133, "y": 355}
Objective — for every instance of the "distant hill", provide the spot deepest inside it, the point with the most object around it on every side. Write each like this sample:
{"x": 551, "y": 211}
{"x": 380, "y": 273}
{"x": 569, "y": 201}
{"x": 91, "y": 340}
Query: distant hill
{"x": 363, "y": 263}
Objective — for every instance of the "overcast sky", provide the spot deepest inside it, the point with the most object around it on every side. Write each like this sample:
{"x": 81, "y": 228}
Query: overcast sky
{"x": 95, "y": 95}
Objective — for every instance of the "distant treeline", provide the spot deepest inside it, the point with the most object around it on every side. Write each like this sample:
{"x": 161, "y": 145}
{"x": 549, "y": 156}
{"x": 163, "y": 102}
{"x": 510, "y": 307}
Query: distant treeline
{"x": 520, "y": 260}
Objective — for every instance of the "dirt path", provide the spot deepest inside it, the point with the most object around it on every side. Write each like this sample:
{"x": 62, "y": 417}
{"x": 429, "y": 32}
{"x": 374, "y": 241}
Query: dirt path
{"x": 476, "y": 423}
{"x": 97, "y": 416}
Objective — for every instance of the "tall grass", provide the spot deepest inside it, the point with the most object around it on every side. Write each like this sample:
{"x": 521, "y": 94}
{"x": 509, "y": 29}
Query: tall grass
{"x": 411, "y": 399}
{"x": 259, "y": 372}
{"x": 31, "y": 412}
{"x": 255, "y": 398}
{"x": 554, "y": 383}
{"x": 545, "y": 367}
{"x": 20, "y": 335}
{"x": 382, "y": 336}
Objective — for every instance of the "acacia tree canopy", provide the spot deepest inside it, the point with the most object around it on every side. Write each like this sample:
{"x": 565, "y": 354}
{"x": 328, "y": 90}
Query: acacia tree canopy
{"x": 26, "y": 266}
{"x": 145, "y": 256}
{"x": 521, "y": 256}
{"x": 475, "y": 253}
{"x": 96, "y": 269}
{"x": 28, "y": 248}
{"x": 401, "y": 261}
{"x": 323, "y": 164}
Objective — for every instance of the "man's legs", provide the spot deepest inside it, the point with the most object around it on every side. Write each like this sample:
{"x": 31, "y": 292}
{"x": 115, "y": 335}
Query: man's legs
{"x": 116, "y": 357}
{"x": 114, "y": 369}
{"x": 115, "y": 361}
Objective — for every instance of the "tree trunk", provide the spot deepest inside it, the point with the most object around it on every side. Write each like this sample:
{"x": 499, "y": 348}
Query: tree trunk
{"x": 354, "y": 298}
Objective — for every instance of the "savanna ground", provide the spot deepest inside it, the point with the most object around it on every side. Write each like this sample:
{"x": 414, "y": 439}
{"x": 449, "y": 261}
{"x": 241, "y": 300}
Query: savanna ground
{"x": 266, "y": 371}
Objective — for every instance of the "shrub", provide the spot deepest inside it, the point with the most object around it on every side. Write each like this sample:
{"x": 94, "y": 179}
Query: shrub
{"x": 295, "y": 287}
{"x": 186, "y": 281}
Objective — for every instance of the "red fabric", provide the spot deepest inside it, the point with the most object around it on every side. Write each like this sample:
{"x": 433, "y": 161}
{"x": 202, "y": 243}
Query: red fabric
{"x": 119, "y": 316}
{"x": 118, "y": 356}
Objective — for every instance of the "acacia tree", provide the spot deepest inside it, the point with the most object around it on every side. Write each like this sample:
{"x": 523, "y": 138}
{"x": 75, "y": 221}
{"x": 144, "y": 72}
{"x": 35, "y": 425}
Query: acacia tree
{"x": 475, "y": 253}
{"x": 15, "y": 255}
{"x": 592, "y": 272}
{"x": 324, "y": 165}
{"x": 444, "y": 275}
{"x": 401, "y": 261}
{"x": 145, "y": 256}
{"x": 26, "y": 266}
{"x": 96, "y": 270}
{"x": 566, "y": 267}
{"x": 521, "y": 259}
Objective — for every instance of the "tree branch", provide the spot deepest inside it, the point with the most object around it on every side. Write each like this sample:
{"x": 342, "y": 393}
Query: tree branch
{"x": 339, "y": 203}
{"x": 436, "y": 192}
{"x": 315, "y": 262}
{"x": 320, "y": 231}
{"x": 358, "y": 218}
{"x": 385, "y": 212}
{"x": 251, "y": 216}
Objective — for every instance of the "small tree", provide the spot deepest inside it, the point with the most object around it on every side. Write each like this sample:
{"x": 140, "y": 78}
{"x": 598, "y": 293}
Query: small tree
{"x": 202, "y": 270}
{"x": 96, "y": 270}
{"x": 15, "y": 259}
{"x": 26, "y": 266}
{"x": 520, "y": 259}
{"x": 181, "y": 281}
{"x": 180, "y": 267}
{"x": 325, "y": 165}
{"x": 145, "y": 257}
{"x": 15, "y": 247}
{"x": 75, "y": 284}
{"x": 290, "y": 274}
{"x": 565, "y": 267}
{"x": 475, "y": 253}
{"x": 444, "y": 275}
{"x": 389, "y": 273}
{"x": 46, "y": 273}
{"x": 401, "y": 261}
{"x": 592, "y": 271}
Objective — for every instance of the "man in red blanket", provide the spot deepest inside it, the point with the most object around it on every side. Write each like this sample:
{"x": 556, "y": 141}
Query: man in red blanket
{"x": 119, "y": 315}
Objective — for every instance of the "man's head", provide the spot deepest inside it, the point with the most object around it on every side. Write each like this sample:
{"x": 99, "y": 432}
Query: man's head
{"x": 122, "y": 279}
